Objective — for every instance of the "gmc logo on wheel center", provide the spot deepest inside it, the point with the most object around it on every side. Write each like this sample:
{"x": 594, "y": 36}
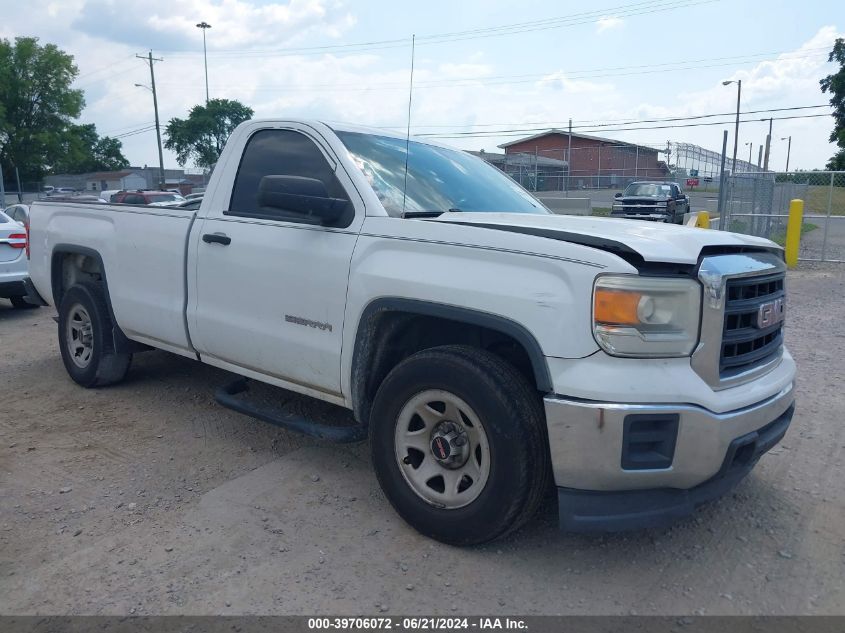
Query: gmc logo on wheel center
{"x": 770, "y": 313}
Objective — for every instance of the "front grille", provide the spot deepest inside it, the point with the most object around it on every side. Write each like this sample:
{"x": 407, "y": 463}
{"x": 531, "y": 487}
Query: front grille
{"x": 744, "y": 344}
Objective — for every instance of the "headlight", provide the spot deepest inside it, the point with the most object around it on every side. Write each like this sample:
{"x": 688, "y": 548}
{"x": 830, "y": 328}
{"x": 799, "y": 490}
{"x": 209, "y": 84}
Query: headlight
{"x": 646, "y": 317}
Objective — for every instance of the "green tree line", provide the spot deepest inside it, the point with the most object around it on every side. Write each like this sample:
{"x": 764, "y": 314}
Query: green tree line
{"x": 38, "y": 111}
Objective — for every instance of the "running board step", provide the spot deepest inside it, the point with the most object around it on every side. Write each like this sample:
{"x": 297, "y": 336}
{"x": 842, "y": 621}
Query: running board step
{"x": 227, "y": 395}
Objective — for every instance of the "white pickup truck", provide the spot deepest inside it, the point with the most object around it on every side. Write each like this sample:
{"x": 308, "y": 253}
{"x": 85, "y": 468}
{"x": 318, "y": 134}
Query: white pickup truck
{"x": 482, "y": 344}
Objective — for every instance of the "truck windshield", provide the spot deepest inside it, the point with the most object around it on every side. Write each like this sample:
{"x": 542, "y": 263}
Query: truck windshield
{"x": 647, "y": 189}
{"x": 439, "y": 179}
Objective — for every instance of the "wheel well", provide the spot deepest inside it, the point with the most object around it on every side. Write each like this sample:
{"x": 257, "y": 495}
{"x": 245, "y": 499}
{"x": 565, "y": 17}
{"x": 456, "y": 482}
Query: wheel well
{"x": 75, "y": 264}
{"x": 386, "y": 337}
{"x": 69, "y": 268}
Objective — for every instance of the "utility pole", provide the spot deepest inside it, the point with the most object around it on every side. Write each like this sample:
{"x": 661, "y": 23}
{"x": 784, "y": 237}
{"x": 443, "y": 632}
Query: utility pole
{"x": 760, "y": 158}
{"x": 668, "y": 152}
{"x": 150, "y": 59}
{"x": 569, "y": 161}
{"x": 768, "y": 147}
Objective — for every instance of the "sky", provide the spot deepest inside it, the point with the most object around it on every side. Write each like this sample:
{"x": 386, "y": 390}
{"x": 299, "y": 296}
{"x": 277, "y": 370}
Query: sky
{"x": 480, "y": 66}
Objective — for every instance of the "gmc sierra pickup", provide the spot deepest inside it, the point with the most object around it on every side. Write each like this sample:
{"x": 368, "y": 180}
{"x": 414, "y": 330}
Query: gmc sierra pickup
{"x": 482, "y": 344}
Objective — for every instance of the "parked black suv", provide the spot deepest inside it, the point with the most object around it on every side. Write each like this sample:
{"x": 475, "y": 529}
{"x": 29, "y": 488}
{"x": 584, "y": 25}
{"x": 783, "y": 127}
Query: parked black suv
{"x": 651, "y": 200}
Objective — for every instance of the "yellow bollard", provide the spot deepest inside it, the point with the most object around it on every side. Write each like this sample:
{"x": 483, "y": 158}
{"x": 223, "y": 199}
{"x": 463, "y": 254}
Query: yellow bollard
{"x": 793, "y": 231}
{"x": 702, "y": 220}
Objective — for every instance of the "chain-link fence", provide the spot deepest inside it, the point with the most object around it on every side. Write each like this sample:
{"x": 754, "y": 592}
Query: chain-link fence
{"x": 758, "y": 204}
{"x": 29, "y": 191}
{"x": 564, "y": 169}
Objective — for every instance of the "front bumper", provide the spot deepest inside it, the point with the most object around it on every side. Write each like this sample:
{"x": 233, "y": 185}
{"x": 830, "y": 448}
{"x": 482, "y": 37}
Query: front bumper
{"x": 663, "y": 216}
{"x": 599, "y": 489}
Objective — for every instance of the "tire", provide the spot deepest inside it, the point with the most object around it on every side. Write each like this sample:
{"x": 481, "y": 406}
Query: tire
{"x": 488, "y": 393}
{"x": 85, "y": 338}
{"x": 19, "y": 303}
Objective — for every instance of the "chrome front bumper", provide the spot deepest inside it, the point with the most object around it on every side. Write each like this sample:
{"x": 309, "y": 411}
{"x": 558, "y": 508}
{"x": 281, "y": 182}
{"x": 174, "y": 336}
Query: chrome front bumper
{"x": 586, "y": 441}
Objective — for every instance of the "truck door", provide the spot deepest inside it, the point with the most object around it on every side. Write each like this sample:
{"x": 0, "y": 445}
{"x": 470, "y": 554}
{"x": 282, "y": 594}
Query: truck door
{"x": 270, "y": 288}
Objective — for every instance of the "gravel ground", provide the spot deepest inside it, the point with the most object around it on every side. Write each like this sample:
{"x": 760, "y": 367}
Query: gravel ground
{"x": 149, "y": 498}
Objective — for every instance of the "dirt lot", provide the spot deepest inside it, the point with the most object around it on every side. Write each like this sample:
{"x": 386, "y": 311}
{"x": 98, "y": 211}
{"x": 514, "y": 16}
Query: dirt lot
{"x": 149, "y": 498}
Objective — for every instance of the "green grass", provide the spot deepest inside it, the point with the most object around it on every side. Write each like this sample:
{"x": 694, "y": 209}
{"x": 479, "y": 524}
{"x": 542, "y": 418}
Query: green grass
{"x": 806, "y": 227}
{"x": 602, "y": 211}
{"x": 816, "y": 199}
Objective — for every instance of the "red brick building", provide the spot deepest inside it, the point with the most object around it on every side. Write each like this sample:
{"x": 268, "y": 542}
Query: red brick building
{"x": 591, "y": 161}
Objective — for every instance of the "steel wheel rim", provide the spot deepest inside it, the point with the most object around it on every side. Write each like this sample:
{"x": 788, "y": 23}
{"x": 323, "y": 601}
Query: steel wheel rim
{"x": 421, "y": 419}
{"x": 79, "y": 336}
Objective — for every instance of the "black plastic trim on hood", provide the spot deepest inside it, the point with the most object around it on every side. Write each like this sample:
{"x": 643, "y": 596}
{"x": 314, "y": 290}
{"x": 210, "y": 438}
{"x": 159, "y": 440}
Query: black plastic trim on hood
{"x": 600, "y": 243}
{"x": 661, "y": 269}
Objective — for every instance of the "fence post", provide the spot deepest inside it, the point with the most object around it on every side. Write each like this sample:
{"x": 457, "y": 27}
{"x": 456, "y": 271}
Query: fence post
{"x": 721, "y": 209}
{"x": 793, "y": 232}
{"x": 827, "y": 220}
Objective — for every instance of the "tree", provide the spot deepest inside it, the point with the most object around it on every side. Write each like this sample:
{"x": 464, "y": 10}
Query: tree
{"x": 835, "y": 85}
{"x": 81, "y": 150}
{"x": 203, "y": 134}
{"x": 37, "y": 105}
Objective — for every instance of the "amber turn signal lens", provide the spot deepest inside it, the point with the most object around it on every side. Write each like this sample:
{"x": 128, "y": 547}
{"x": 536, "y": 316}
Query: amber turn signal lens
{"x": 618, "y": 307}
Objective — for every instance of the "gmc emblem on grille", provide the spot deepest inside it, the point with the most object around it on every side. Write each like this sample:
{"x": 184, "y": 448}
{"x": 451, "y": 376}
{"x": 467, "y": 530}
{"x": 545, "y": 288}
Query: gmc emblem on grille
{"x": 770, "y": 313}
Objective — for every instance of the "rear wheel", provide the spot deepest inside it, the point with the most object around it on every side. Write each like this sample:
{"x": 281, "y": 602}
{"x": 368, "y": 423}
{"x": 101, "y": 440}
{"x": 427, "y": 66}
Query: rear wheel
{"x": 21, "y": 304}
{"x": 458, "y": 444}
{"x": 85, "y": 338}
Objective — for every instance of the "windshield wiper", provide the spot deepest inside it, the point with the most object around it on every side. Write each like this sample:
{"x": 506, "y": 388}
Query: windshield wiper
{"x": 428, "y": 214}
{"x": 422, "y": 214}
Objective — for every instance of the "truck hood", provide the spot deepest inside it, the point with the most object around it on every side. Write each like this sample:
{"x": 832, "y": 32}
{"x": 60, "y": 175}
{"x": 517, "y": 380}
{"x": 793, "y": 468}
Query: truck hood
{"x": 664, "y": 243}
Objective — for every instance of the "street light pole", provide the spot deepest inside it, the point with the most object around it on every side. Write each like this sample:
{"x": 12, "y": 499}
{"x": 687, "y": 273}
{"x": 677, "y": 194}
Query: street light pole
{"x": 750, "y": 147}
{"x": 788, "y": 149}
{"x": 738, "y": 83}
{"x": 150, "y": 59}
{"x": 204, "y": 25}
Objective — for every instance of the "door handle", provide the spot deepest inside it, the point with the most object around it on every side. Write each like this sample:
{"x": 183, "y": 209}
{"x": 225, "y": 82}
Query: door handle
{"x": 217, "y": 238}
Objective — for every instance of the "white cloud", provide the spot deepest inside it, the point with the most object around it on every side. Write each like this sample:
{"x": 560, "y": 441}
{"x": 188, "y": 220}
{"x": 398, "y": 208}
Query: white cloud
{"x": 608, "y": 22}
{"x": 559, "y": 80}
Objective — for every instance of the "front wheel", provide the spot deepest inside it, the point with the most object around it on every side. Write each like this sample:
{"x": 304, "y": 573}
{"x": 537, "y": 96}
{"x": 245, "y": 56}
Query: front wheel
{"x": 458, "y": 444}
{"x": 85, "y": 338}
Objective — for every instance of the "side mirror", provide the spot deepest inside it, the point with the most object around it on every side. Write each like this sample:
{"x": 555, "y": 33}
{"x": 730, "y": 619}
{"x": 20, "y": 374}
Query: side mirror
{"x": 618, "y": 194}
{"x": 300, "y": 196}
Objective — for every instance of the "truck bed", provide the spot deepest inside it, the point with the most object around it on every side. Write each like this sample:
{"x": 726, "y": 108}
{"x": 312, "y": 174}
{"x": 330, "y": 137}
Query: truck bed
{"x": 142, "y": 248}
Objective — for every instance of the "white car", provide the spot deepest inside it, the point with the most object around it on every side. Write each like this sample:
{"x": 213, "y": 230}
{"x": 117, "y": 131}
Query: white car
{"x": 18, "y": 212}
{"x": 106, "y": 194}
{"x": 13, "y": 261}
{"x": 481, "y": 343}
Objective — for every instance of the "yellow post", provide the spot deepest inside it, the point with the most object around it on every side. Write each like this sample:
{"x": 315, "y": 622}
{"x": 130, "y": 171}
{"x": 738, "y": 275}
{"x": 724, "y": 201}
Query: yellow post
{"x": 793, "y": 231}
{"x": 702, "y": 220}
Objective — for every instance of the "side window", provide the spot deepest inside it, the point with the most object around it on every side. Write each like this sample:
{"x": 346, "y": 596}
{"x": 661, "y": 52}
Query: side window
{"x": 280, "y": 153}
{"x": 133, "y": 198}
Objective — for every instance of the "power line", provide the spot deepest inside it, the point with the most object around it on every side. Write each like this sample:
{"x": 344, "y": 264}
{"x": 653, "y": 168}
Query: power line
{"x": 149, "y": 128}
{"x": 631, "y": 121}
{"x": 503, "y": 134}
{"x": 126, "y": 127}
